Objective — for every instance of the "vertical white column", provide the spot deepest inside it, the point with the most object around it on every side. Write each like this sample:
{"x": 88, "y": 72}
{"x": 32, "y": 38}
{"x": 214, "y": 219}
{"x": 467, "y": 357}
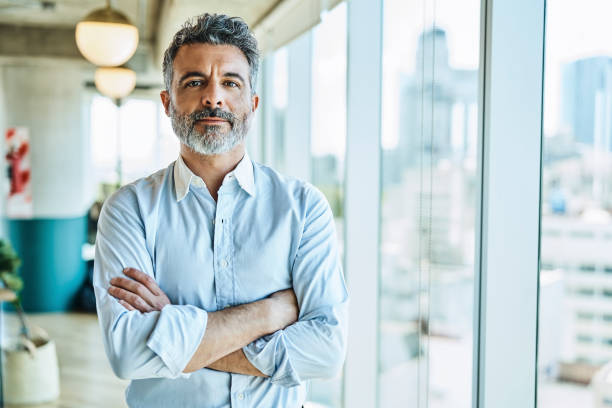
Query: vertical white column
{"x": 362, "y": 199}
{"x": 46, "y": 98}
{"x": 298, "y": 124}
{"x": 508, "y": 241}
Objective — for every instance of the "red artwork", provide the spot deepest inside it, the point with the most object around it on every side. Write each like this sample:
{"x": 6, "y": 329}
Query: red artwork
{"x": 19, "y": 200}
{"x": 19, "y": 177}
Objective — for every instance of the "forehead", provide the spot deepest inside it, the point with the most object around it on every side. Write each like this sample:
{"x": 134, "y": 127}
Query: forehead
{"x": 204, "y": 57}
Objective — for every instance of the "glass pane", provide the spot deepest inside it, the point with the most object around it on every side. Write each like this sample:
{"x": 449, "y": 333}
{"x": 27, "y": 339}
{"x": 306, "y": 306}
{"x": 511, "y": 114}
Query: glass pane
{"x": 328, "y": 140}
{"x": 138, "y": 139}
{"x": 575, "y": 311}
{"x": 142, "y": 143}
{"x": 104, "y": 145}
{"x": 168, "y": 145}
{"x": 275, "y": 96}
{"x": 428, "y": 202}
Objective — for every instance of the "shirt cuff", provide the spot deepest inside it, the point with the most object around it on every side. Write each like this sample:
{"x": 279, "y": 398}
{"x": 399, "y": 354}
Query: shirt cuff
{"x": 177, "y": 335}
{"x": 269, "y": 355}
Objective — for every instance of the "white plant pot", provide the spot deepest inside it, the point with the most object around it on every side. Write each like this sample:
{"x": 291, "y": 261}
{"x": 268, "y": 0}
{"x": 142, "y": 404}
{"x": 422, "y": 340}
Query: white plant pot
{"x": 31, "y": 378}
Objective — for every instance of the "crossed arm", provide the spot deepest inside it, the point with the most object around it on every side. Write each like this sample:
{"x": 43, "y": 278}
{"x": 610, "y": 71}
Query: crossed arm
{"x": 147, "y": 337}
{"x": 227, "y": 330}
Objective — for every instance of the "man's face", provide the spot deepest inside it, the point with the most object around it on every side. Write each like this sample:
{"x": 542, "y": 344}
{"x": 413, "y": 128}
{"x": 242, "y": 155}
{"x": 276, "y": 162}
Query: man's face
{"x": 210, "y": 101}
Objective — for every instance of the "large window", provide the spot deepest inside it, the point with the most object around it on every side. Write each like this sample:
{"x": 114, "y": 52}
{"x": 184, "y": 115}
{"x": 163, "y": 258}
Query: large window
{"x": 328, "y": 141}
{"x": 275, "y": 94}
{"x": 130, "y": 141}
{"x": 575, "y": 313}
{"x": 428, "y": 202}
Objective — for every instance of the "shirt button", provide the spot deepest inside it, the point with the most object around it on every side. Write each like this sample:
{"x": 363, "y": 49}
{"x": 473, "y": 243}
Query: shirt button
{"x": 241, "y": 396}
{"x": 223, "y": 263}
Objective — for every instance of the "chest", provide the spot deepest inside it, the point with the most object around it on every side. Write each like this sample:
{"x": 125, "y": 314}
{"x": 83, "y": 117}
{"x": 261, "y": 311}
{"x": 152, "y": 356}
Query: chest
{"x": 215, "y": 256}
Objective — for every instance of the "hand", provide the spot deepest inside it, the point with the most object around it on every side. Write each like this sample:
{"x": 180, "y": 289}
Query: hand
{"x": 284, "y": 310}
{"x": 138, "y": 293}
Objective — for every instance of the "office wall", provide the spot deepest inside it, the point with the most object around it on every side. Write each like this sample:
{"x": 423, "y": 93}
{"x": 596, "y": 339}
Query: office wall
{"x": 46, "y": 97}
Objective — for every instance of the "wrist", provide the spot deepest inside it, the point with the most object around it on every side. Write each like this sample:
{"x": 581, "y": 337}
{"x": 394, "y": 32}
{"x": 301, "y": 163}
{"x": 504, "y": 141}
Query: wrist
{"x": 269, "y": 316}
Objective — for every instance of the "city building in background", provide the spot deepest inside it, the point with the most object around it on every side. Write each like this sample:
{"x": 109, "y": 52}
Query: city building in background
{"x": 585, "y": 99}
{"x": 428, "y": 208}
{"x": 575, "y": 314}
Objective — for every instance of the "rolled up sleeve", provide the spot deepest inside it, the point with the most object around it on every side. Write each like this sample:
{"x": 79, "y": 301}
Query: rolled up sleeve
{"x": 138, "y": 345}
{"x": 315, "y": 346}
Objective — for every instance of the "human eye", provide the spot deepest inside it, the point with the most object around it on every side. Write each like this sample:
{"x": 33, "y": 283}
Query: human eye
{"x": 194, "y": 83}
{"x": 232, "y": 84}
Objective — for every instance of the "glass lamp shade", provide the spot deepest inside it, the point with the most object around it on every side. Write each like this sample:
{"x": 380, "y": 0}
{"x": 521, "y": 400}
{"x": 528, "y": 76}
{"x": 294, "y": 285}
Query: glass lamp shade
{"x": 115, "y": 82}
{"x": 106, "y": 38}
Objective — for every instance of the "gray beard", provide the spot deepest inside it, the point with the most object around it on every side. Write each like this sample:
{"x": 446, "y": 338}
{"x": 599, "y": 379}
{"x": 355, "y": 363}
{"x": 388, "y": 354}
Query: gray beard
{"x": 213, "y": 140}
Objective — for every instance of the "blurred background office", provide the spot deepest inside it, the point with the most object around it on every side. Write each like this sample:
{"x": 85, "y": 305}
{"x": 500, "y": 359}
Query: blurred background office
{"x": 463, "y": 145}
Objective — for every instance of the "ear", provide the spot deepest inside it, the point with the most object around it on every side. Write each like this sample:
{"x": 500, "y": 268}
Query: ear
{"x": 254, "y": 102}
{"x": 165, "y": 98}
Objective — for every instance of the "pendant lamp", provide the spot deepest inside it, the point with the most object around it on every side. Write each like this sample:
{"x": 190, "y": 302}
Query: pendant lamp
{"x": 115, "y": 82}
{"x": 106, "y": 37}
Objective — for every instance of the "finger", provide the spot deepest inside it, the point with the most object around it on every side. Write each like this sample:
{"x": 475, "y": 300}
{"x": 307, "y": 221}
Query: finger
{"x": 145, "y": 279}
{"x": 134, "y": 287}
{"x": 131, "y": 298}
{"x": 126, "y": 305}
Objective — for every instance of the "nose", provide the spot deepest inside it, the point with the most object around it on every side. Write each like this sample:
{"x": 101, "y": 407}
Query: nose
{"x": 212, "y": 96}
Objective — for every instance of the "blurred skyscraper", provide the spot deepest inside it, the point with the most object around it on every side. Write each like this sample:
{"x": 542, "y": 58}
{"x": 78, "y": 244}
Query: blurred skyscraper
{"x": 446, "y": 93}
{"x": 586, "y": 104}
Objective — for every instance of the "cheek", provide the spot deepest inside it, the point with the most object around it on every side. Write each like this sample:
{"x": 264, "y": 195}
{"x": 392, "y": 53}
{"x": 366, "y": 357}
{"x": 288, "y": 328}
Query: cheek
{"x": 187, "y": 101}
{"x": 242, "y": 106}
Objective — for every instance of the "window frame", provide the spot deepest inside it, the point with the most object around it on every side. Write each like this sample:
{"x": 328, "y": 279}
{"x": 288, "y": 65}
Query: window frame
{"x": 508, "y": 236}
{"x": 362, "y": 192}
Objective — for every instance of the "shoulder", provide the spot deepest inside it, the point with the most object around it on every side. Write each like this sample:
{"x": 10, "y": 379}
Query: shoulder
{"x": 296, "y": 192}
{"x": 139, "y": 195}
{"x": 268, "y": 179}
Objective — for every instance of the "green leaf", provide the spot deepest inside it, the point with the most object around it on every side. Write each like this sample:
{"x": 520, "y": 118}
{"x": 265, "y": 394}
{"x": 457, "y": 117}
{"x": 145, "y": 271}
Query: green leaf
{"x": 12, "y": 281}
{"x": 9, "y": 260}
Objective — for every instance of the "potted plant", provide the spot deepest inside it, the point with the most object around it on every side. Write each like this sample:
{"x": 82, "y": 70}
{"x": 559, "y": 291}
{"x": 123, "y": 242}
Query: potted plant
{"x": 31, "y": 371}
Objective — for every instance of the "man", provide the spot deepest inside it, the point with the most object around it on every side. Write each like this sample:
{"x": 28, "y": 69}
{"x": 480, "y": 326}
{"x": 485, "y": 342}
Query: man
{"x": 218, "y": 281}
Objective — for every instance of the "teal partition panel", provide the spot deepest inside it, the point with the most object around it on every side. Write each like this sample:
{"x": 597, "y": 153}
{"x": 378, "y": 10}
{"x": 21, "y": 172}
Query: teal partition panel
{"x": 53, "y": 269}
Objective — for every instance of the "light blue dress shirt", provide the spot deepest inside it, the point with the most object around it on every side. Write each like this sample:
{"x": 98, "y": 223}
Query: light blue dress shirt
{"x": 265, "y": 233}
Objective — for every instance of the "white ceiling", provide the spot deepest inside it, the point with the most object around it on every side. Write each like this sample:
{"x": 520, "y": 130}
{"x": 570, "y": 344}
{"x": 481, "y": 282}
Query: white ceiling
{"x": 143, "y": 13}
{"x": 67, "y": 13}
{"x": 274, "y": 21}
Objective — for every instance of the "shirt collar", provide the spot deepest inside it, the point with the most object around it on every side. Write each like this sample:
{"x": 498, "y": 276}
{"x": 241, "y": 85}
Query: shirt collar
{"x": 244, "y": 175}
{"x": 184, "y": 177}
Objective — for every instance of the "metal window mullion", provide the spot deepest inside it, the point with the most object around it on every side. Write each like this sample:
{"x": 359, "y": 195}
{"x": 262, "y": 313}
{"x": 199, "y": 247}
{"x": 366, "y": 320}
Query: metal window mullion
{"x": 508, "y": 235}
{"x": 362, "y": 199}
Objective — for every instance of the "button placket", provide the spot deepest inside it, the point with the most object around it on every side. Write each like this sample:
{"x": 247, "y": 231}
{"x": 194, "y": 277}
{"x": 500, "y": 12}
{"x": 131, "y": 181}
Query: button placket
{"x": 223, "y": 274}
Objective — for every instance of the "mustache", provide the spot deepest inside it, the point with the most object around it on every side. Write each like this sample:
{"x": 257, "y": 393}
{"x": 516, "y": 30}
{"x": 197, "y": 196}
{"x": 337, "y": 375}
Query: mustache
{"x": 213, "y": 113}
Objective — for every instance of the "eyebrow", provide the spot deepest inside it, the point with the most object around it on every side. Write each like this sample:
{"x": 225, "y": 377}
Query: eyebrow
{"x": 190, "y": 74}
{"x": 200, "y": 74}
{"x": 235, "y": 75}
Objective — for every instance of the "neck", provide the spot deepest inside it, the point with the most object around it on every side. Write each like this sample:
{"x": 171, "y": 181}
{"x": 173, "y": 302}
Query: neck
{"x": 212, "y": 168}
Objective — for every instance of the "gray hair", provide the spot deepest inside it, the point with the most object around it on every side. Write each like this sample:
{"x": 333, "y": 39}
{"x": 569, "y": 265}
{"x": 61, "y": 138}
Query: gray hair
{"x": 216, "y": 29}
